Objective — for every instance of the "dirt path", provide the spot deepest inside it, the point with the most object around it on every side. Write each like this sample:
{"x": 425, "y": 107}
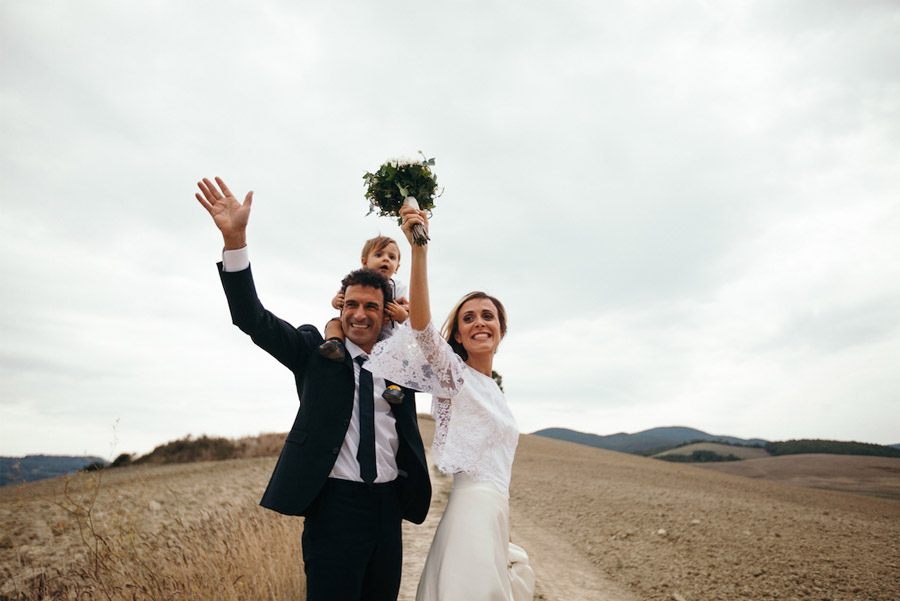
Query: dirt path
{"x": 417, "y": 539}
{"x": 562, "y": 572}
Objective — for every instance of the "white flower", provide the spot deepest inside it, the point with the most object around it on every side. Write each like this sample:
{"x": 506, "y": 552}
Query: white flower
{"x": 404, "y": 161}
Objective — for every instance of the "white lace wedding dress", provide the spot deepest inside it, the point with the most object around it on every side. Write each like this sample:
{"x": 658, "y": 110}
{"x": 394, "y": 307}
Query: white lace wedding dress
{"x": 471, "y": 557}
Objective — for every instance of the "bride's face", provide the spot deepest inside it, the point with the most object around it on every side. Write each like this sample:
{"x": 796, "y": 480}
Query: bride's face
{"x": 478, "y": 326}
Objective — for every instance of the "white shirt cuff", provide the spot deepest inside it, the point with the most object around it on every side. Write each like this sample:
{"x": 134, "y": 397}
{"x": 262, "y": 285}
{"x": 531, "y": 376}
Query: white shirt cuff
{"x": 235, "y": 260}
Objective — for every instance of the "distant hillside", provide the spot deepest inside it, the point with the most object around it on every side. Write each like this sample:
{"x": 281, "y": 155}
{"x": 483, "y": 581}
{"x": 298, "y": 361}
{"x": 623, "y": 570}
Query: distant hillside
{"x": 834, "y": 447}
{"x": 184, "y": 450}
{"x": 14, "y": 470}
{"x": 647, "y": 442}
{"x": 724, "y": 450}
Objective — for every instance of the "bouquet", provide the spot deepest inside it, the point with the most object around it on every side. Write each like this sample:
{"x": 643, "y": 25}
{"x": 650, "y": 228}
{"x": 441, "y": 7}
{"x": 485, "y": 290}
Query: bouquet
{"x": 400, "y": 182}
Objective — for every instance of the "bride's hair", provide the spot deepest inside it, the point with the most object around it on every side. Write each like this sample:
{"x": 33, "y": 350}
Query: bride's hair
{"x": 451, "y": 326}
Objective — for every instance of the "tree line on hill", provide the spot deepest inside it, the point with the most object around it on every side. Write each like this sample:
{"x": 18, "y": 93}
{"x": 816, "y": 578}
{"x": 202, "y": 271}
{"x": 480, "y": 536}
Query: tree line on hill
{"x": 835, "y": 447}
{"x": 699, "y": 456}
{"x": 190, "y": 449}
{"x": 789, "y": 447}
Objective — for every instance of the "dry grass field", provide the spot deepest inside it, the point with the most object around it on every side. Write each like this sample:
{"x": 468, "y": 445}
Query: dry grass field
{"x": 188, "y": 531}
{"x": 599, "y": 526}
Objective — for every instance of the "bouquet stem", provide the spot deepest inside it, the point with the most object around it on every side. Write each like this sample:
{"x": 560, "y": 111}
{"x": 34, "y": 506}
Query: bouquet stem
{"x": 420, "y": 236}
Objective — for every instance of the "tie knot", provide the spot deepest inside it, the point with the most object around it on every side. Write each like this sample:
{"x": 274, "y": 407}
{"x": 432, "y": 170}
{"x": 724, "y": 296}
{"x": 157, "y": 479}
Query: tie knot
{"x": 360, "y": 359}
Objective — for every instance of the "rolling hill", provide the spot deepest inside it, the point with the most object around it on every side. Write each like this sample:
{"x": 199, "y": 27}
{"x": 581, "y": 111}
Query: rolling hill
{"x": 739, "y": 451}
{"x": 646, "y": 442}
{"x": 30, "y": 468}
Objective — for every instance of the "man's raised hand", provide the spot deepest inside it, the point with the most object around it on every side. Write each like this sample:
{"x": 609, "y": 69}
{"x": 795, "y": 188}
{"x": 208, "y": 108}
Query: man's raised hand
{"x": 229, "y": 215}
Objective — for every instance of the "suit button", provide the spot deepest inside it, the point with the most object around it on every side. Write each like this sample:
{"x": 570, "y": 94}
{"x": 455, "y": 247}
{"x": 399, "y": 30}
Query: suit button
{"x": 335, "y": 451}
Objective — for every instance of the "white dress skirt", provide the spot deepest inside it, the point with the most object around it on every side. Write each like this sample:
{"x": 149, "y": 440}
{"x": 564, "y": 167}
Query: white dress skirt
{"x": 471, "y": 557}
{"x": 475, "y": 439}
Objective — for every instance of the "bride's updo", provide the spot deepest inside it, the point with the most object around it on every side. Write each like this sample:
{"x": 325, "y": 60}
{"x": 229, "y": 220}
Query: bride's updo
{"x": 451, "y": 326}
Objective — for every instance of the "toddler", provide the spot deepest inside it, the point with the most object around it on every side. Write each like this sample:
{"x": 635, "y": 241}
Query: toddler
{"x": 379, "y": 254}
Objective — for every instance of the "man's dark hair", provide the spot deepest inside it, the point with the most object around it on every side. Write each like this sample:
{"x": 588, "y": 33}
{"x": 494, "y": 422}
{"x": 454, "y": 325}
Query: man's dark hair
{"x": 370, "y": 278}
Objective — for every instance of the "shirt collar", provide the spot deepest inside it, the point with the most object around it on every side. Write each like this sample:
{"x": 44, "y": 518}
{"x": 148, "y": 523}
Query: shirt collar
{"x": 354, "y": 350}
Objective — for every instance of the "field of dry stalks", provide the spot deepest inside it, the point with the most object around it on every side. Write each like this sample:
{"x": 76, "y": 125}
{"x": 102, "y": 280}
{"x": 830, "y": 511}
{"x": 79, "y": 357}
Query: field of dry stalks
{"x": 190, "y": 531}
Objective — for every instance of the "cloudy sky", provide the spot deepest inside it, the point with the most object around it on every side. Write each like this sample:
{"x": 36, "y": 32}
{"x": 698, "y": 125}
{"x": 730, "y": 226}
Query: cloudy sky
{"x": 690, "y": 208}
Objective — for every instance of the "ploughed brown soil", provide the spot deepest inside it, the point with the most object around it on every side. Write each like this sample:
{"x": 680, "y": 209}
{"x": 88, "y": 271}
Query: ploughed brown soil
{"x": 875, "y": 476}
{"x": 598, "y": 525}
{"x": 659, "y": 530}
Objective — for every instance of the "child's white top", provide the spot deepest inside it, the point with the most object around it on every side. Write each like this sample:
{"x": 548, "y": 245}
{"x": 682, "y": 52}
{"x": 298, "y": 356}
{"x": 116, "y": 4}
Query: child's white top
{"x": 400, "y": 290}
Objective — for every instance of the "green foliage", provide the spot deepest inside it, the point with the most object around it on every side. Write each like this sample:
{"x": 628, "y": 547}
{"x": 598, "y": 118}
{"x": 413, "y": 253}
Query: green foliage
{"x": 699, "y": 457}
{"x": 388, "y": 187}
{"x": 96, "y": 466}
{"x": 836, "y": 447}
{"x": 498, "y": 379}
{"x": 188, "y": 449}
{"x": 716, "y": 441}
{"x": 122, "y": 460}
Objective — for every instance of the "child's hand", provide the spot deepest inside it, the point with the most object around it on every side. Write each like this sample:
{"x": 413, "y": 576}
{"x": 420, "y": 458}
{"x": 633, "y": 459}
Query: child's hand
{"x": 397, "y": 312}
{"x": 403, "y": 302}
{"x": 338, "y": 301}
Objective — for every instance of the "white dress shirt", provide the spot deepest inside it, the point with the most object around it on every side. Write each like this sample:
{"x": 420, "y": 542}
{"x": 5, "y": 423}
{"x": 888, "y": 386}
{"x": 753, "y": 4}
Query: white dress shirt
{"x": 347, "y": 467}
{"x": 386, "y": 442}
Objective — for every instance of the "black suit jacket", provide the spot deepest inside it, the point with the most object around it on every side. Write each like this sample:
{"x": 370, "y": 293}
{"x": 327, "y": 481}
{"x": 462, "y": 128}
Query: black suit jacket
{"x": 326, "y": 391}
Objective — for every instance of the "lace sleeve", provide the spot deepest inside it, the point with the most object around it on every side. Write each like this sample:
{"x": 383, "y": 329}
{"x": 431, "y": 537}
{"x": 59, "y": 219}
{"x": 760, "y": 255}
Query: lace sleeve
{"x": 420, "y": 360}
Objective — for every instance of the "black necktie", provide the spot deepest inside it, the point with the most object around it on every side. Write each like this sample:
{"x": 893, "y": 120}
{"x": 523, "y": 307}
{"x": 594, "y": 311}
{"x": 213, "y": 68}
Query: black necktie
{"x": 365, "y": 454}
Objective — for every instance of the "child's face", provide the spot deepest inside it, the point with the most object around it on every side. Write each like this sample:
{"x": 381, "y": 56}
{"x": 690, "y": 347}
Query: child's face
{"x": 384, "y": 261}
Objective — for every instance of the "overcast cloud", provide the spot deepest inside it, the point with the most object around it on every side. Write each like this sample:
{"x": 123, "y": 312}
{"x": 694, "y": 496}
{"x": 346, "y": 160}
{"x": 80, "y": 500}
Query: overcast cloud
{"x": 690, "y": 209}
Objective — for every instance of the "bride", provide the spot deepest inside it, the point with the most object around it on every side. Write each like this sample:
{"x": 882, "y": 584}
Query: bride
{"x": 471, "y": 557}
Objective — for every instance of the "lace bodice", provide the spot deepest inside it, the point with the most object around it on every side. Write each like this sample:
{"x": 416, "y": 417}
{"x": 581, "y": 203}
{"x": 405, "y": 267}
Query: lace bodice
{"x": 475, "y": 432}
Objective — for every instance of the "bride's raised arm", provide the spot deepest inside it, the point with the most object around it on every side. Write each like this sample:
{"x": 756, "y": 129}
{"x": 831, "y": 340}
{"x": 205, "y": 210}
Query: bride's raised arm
{"x": 419, "y": 303}
{"x": 417, "y": 357}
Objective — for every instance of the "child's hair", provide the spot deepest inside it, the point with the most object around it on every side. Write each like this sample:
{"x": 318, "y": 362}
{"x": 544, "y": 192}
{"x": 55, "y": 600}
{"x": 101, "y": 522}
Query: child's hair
{"x": 378, "y": 243}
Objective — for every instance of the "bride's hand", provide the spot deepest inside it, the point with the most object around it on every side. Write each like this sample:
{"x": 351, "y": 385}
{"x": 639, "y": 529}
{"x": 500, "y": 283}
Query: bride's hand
{"x": 410, "y": 218}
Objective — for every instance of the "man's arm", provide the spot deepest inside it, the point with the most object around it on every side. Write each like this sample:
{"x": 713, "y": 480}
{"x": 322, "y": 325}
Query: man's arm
{"x": 276, "y": 336}
{"x": 291, "y": 346}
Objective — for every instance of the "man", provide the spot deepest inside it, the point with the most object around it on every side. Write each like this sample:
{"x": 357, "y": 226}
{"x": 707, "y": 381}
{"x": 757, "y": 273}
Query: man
{"x": 352, "y": 464}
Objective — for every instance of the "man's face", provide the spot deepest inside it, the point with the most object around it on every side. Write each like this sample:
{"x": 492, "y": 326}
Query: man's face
{"x": 362, "y": 316}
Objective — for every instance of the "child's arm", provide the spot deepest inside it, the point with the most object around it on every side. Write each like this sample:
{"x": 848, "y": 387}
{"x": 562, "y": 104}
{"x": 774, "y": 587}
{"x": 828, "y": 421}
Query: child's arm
{"x": 338, "y": 301}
